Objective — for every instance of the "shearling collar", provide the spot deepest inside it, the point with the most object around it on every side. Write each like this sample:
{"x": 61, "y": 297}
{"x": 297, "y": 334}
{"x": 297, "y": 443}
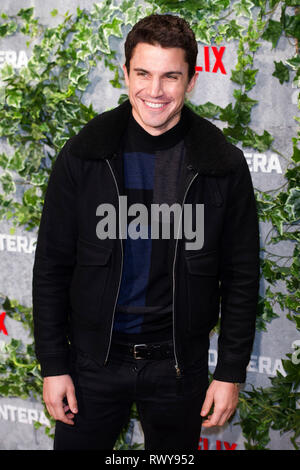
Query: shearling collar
{"x": 207, "y": 150}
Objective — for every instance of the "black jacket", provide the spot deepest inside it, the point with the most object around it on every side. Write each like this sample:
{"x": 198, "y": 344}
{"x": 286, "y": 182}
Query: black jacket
{"x": 76, "y": 275}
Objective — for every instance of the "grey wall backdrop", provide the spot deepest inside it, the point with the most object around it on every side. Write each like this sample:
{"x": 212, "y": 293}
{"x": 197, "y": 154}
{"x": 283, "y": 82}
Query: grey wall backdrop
{"x": 277, "y": 106}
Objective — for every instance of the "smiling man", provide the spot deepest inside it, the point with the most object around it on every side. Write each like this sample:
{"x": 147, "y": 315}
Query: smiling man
{"x": 157, "y": 84}
{"x": 123, "y": 320}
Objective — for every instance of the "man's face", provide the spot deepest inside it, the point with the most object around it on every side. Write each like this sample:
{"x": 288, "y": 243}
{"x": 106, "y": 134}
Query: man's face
{"x": 157, "y": 82}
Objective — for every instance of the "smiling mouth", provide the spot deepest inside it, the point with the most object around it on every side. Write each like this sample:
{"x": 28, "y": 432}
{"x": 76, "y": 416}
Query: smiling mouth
{"x": 151, "y": 105}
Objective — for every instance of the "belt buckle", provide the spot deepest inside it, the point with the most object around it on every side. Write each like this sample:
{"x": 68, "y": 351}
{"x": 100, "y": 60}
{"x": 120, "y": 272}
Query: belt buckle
{"x": 135, "y": 352}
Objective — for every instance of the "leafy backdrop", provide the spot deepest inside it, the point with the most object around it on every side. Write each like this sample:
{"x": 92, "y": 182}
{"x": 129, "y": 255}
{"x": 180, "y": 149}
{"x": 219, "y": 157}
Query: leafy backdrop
{"x": 43, "y": 104}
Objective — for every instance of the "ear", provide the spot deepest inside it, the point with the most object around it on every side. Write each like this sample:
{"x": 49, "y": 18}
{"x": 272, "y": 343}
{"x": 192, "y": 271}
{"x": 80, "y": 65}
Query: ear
{"x": 126, "y": 75}
{"x": 192, "y": 82}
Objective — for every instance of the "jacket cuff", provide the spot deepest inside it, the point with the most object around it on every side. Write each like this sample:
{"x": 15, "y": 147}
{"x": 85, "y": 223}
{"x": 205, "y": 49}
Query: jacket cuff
{"x": 230, "y": 372}
{"x": 55, "y": 365}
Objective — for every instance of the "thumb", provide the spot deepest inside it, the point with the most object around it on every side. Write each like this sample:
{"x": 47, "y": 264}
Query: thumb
{"x": 208, "y": 402}
{"x": 71, "y": 398}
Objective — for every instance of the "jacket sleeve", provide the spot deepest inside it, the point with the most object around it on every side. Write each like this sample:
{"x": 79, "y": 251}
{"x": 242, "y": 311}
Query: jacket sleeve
{"x": 239, "y": 278}
{"x": 53, "y": 266}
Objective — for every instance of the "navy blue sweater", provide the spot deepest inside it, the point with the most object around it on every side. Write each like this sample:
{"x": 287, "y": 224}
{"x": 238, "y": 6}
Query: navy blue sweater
{"x": 152, "y": 165}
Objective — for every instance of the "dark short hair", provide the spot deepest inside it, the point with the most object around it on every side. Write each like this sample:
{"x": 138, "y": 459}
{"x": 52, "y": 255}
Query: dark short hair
{"x": 167, "y": 31}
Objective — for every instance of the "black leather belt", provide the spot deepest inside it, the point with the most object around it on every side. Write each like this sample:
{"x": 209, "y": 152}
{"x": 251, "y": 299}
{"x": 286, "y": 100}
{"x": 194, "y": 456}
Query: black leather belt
{"x": 145, "y": 351}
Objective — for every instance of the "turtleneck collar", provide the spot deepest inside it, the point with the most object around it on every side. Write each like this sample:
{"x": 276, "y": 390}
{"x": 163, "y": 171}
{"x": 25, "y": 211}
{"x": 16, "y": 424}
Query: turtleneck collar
{"x": 148, "y": 142}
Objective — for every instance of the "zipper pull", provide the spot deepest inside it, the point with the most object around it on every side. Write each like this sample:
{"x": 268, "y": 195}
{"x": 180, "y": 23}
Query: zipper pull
{"x": 178, "y": 372}
{"x": 179, "y": 381}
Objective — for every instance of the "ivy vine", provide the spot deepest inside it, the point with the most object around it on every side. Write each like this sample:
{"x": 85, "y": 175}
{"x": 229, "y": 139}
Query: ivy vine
{"x": 42, "y": 106}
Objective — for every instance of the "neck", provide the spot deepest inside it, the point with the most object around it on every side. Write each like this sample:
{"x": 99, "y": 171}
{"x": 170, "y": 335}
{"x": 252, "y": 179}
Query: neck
{"x": 156, "y": 131}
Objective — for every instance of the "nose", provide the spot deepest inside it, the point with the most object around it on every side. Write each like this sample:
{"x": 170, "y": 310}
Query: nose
{"x": 155, "y": 88}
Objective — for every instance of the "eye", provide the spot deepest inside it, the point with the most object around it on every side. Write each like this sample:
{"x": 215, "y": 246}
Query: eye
{"x": 172, "y": 76}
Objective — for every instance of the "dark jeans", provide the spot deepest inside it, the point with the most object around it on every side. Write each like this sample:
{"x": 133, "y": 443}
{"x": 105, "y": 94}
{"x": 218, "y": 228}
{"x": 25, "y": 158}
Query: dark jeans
{"x": 168, "y": 407}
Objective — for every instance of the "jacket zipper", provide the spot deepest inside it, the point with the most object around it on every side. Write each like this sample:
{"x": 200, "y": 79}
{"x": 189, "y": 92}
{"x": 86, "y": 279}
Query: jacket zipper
{"x": 112, "y": 323}
{"x": 178, "y": 371}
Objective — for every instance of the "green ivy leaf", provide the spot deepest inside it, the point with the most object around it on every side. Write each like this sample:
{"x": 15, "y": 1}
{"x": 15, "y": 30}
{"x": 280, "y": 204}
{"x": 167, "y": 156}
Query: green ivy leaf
{"x": 203, "y": 32}
{"x": 262, "y": 142}
{"x": 244, "y": 77}
{"x": 38, "y": 179}
{"x": 290, "y": 24}
{"x": 234, "y": 134}
{"x": 36, "y": 132}
{"x": 113, "y": 28}
{"x": 30, "y": 197}
{"x": 209, "y": 110}
{"x": 243, "y": 107}
{"x": 126, "y": 4}
{"x": 26, "y": 13}
{"x": 133, "y": 14}
{"x": 292, "y": 206}
{"x": 234, "y": 30}
{"x": 103, "y": 41}
{"x": 291, "y": 3}
{"x": 103, "y": 12}
{"x": 294, "y": 62}
{"x": 265, "y": 309}
{"x": 3, "y": 160}
{"x": 76, "y": 73}
{"x": 228, "y": 114}
{"x": 296, "y": 152}
{"x": 8, "y": 184}
{"x": 16, "y": 162}
{"x": 273, "y": 32}
{"x": 243, "y": 8}
{"x": 4, "y": 28}
{"x": 7, "y": 72}
{"x": 123, "y": 97}
{"x": 281, "y": 72}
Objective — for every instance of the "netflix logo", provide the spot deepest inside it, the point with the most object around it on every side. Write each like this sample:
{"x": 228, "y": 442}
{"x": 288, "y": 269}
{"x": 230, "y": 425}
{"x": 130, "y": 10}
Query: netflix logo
{"x": 212, "y": 60}
{"x": 2, "y": 326}
{"x": 205, "y": 444}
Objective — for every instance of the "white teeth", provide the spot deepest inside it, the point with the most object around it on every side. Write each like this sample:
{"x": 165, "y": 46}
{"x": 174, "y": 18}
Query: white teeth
{"x": 154, "y": 105}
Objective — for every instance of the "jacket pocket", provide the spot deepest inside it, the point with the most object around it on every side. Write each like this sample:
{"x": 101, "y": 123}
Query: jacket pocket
{"x": 202, "y": 264}
{"x": 89, "y": 282}
{"x": 202, "y": 290}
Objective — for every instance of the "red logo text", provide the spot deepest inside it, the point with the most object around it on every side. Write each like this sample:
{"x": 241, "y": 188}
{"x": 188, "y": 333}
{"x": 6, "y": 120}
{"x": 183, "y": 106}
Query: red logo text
{"x": 218, "y": 64}
{"x": 204, "y": 444}
{"x": 2, "y": 326}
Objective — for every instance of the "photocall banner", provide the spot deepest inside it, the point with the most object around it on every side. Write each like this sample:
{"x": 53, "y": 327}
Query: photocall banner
{"x": 275, "y": 113}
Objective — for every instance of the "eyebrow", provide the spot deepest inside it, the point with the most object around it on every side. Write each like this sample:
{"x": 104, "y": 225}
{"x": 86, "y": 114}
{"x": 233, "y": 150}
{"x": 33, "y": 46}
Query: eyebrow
{"x": 137, "y": 69}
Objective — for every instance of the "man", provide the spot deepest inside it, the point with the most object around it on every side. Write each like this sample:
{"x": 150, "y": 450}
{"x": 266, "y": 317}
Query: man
{"x": 123, "y": 317}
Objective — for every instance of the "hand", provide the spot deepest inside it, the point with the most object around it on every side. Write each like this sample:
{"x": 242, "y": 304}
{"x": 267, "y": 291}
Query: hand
{"x": 55, "y": 389}
{"x": 224, "y": 396}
